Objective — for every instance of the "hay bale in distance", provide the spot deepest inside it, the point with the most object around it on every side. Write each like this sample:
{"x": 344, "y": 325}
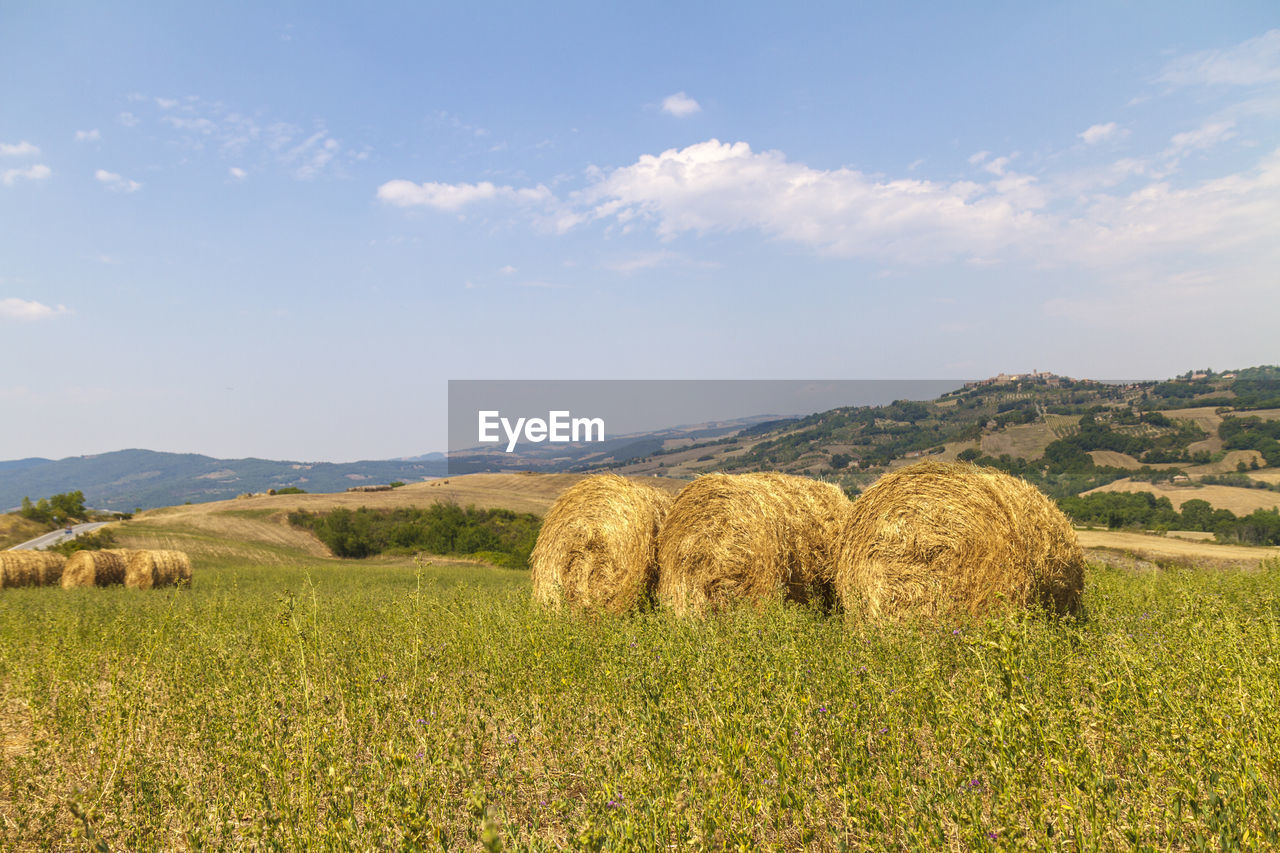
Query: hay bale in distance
{"x": 30, "y": 568}
{"x": 148, "y": 569}
{"x": 95, "y": 568}
{"x": 939, "y": 537}
{"x": 749, "y": 537}
{"x": 598, "y": 546}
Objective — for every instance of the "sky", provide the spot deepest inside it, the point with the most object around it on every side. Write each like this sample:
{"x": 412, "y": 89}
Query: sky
{"x": 279, "y": 232}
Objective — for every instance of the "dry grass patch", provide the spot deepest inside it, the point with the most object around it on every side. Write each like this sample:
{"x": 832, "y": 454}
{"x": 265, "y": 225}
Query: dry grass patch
{"x": 1027, "y": 440}
{"x": 14, "y": 529}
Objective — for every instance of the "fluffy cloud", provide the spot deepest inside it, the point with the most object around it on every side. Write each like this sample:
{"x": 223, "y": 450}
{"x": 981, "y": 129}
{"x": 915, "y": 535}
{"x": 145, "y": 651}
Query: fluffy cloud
{"x": 116, "y": 183}
{"x": 38, "y": 172}
{"x": 1100, "y": 132}
{"x": 714, "y": 186}
{"x": 1250, "y": 63}
{"x": 680, "y": 105}
{"x": 88, "y": 135}
{"x": 403, "y": 193}
{"x": 27, "y": 310}
{"x": 18, "y": 149}
{"x": 237, "y": 173}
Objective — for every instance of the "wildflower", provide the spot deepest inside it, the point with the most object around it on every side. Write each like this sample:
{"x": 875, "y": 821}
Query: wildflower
{"x": 955, "y": 632}
{"x": 993, "y": 836}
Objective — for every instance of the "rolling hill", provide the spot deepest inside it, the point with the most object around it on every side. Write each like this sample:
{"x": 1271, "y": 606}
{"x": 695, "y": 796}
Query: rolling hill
{"x": 1065, "y": 435}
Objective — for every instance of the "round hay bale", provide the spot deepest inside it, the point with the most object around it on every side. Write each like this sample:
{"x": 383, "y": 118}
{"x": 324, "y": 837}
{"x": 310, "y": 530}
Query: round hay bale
{"x": 95, "y": 568}
{"x": 598, "y": 546}
{"x": 749, "y": 537}
{"x": 148, "y": 569}
{"x": 939, "y": 537}
{"x": 30, "y": 568}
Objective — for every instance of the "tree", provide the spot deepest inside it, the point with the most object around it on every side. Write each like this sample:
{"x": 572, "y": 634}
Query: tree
{"x": 1197, "y": 515}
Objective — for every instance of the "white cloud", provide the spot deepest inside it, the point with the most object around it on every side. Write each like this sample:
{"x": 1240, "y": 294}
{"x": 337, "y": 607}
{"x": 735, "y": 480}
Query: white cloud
{"x": 38, "y": 172}
{"x": 508, "y": 270}
{"x": 166, "y": 103}
{"x": 237, "y": 173}
{"x": 27, "y": 310}
{"x": 1101, "y": 132}
{"x": 197, "y": 125}
{"x": 1206, "y": 136}
{"x": 116, "y": 183}
{"x": 642, "y": 261}
{"x": 1250, "y": 63}
{"x": 713, "y": 186}
{"x": 88, "y": 135}
{"x": 311, "y": 155}
{"x": 18, "y": 149}
{"x": 127, "y": 119}
{"x": 1157, "y": 225}
{"x": 680, "y": 105}
{"x": 403, "y": 193}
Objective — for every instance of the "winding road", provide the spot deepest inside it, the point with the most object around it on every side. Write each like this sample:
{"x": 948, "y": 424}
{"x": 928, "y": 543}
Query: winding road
{"x": 59, "y": 535}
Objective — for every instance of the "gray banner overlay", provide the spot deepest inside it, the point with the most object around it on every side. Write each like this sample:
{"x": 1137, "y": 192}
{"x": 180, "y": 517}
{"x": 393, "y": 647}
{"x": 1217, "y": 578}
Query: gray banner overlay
{"x": 533, "y": 424}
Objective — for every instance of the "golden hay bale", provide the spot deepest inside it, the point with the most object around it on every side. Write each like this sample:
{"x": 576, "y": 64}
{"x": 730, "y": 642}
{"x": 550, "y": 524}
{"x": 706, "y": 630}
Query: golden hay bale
{"x": 752, "y": 537}
{"x": 95, "y": 568}
{"x": 938, "y": 537}
{"x": 30, "y": 568}
{"x": 598, "y": 545}
{"x": 147, "y": 569}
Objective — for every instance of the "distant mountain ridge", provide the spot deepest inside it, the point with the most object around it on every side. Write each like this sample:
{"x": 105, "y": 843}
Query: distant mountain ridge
{"x": 125, "y": 479}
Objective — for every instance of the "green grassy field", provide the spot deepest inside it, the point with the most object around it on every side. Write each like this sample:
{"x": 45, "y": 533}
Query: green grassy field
{"x": 330, "y": 705}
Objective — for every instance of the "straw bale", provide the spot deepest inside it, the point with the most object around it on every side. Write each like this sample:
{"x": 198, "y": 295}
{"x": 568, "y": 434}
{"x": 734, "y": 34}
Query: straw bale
{"x": 749, "y": 537}
{"x": 148, "y": 569}
{"x": 30, "y": 568}
{"x": 95, "y": 568}
{"x": 597, "y": 548}
{"x": 938, "y": 537}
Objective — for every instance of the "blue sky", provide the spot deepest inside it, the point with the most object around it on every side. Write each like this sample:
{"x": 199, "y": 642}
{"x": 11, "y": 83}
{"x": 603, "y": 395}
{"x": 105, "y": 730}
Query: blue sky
{"x": 279, "y": 232}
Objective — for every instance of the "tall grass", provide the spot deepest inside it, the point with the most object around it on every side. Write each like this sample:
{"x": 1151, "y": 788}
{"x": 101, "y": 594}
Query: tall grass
{"x": 334, "y": 706}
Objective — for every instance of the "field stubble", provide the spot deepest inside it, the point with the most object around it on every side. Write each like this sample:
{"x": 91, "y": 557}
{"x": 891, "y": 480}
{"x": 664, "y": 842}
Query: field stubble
{"x": 324, "y": 704}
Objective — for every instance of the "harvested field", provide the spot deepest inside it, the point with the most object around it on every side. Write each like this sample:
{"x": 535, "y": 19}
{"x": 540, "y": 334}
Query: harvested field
{"x": 1238, "y": 500}
{"x": 1115, "y": 460}
{"x": 1026, "y": 440}
{"x": 1226, "y": 465}
{"x": 1266, "y": 475}
{"x": 1167, "y": 549}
